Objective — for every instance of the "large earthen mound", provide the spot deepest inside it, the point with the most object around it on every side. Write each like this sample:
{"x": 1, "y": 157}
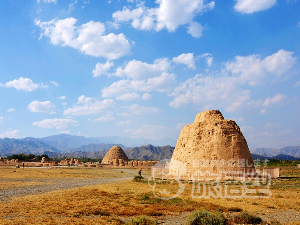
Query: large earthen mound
{"x": 114, "y": 155}
{"x": 211, "y": 147}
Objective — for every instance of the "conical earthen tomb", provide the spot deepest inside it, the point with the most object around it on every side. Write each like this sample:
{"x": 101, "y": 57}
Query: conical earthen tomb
{"x": 211, "y": 147}
{"x": 115, "y": 156}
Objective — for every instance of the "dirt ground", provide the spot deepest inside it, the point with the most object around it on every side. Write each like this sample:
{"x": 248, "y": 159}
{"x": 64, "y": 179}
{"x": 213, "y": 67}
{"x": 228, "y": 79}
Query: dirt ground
{"x": 109, "y": 196}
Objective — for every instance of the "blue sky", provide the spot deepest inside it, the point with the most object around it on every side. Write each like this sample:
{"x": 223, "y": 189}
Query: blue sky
{"x": 144, "y": 69}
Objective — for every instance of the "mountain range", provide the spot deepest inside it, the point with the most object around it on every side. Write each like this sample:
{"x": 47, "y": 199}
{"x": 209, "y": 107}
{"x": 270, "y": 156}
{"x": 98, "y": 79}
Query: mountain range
{"x": 79, "y": 146}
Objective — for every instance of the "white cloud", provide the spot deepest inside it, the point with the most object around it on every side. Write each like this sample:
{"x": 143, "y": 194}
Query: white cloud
{"x": 195, "y": 29}
{"x": 101, "y": 69}
{"x": 54, "y": 83}
{"x": 146, "y": 96}
{"x": 208, "y": 57}
{"x": 126, "y": 122}
{"x": 11, "y": 134}
{"x": 297, "y": 84}
{"x": 141, "y": 77}
{"x": 263, "y": 111}
{"x": 163, "y": 83}
{"x": 251, "y": 6}
{"x": 275, "y": 101}
{"x": 11, "y": 110}
{"x": 108, "y": 117}
{"x": 62, "y": 97}
{"x": 252, "y": 69}
{"x": 228, "y": 90}
{"x": 1, "y": 120}
{"x": 89, "y": 38}
{"x": 169, "y": 15}
{"x": 87, "y": 105}
{"x": 23, "y": 84}
{"x": 44, "y": 107}
{"x": 143, "y": 110}
{"x": 140, "y": 70}
{"x": 154, "y": 132}
{"x": 129, "y": 97}
{"x": 48, "y": 1}
{"x": 65, "y": 132}
{"x": 187, "y": 59}
{"x": 56, "y": 123}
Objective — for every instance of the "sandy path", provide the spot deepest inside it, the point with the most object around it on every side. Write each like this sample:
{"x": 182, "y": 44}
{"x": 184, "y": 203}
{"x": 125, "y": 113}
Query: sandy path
{"x": 59, "y": 184}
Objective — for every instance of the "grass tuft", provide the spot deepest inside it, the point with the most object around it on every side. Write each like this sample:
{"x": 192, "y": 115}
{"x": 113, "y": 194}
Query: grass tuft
{"x": 205, "y": 217}
{"x": 246, "y": 218}
{"x": 142, "y": 220}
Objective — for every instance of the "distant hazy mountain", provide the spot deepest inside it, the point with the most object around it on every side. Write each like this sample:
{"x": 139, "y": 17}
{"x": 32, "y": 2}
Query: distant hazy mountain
{"x": 259, "y": 157}
{"x": 271, "y": 152}
{"x": 66, "y": 142}
{"x": 150, "y": 152}
{"x": 285, "y": 157}
{"x": 146, "y": 152}
{"x": 16, "y": 146}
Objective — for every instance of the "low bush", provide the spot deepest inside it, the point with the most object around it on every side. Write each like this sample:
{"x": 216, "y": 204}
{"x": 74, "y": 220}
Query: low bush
{"x": 246, "y": 218}
{"x": 205, "y": 217}
{"x": 235, "y": 209}
{"x": 142, "y": 220}
{"x": 138, "y": 178}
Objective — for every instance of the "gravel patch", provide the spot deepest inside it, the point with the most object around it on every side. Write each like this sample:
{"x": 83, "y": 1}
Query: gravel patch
{"x": 54, "y": 185}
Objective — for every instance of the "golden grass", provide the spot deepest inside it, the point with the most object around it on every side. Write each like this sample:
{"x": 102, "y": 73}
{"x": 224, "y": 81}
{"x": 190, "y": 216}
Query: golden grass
{"x": 58, "y": 173}
{"x": 105, "y": 203}
{"x": 16, "y": 184}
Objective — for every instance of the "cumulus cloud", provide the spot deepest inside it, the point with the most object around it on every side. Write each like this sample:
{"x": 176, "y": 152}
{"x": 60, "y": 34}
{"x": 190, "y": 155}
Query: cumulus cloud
{"x": 62, "y": 97}
{"x": 87, "y": 105}
{"x": 23, "y": 84}
{"x": 11, "y": 110}
{"x": 229, "y": 89}
{"x": 163, "y": 83}
{"x": 48, "y": 1}
{"x": 252, "y": 69}
{"x": 187, "y": 59}
{"x": 154, "y": 132}
{"x": 89, "y": 38}
{"x": 251, "y": 6}
{"x": 141, "y": 77}
{"x": 54, "y": 83}
{"x": 56, "y": 123}
{"x": 11, "y": 134}
{"x": 1, "y": 120}
{"x": 195, "y": 29}
{"x": 125, "y": 122}
{"x": 275, "y": 101}
{"x": 168, "y": 15}
{"x": 129, "y": 97}
{"x": 140, "y": 70}
{"x": 143, "y": 110}
{"x": 44, "y": 107}
{"x": 208, "y": 58}
{"x": 65, "y": 132}
{"x": 101, "y": 69}
{"x": 146, "y": 96}
{"x": 108, "y": 117}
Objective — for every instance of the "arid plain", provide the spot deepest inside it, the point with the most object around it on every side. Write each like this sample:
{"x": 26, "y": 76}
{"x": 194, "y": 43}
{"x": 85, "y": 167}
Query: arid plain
{"x": 110, "y": 196}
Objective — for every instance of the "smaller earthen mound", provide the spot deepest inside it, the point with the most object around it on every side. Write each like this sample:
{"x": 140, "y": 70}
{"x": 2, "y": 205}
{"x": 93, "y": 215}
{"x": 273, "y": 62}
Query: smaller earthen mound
{"x": 115, "y": 155}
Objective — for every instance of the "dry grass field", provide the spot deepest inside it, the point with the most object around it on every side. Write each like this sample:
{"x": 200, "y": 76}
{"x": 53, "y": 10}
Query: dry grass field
{"x": 110, "y": 196}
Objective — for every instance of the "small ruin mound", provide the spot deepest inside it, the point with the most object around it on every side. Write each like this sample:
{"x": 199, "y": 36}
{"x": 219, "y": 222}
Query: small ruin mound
{"x": 115, "y": 155}
{"x": 211, "y": 147}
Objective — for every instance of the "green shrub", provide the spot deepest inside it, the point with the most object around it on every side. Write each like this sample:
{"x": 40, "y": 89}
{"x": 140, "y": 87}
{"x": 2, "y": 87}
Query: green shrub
{"x": 246, "y": 218}
{"x": 138, "y": 178}
{"x": 205, "y": 218}
{"x": 142, "y": 220}
{"x": 235, "y": 209}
